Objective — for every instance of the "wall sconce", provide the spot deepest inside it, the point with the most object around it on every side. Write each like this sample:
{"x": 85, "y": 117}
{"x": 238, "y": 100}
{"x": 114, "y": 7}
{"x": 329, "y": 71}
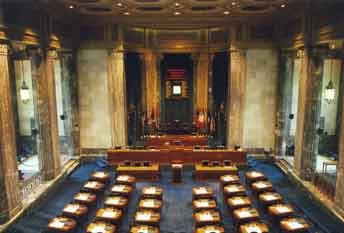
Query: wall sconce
{"x": 330, "y": 92}
{"x": 24, "y": 88}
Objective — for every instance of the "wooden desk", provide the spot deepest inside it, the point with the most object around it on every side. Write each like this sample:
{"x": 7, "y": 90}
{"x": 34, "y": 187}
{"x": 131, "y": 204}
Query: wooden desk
{"x": 126, "y": 179}
{"x": 245, "y": 215}
{"x": 85, "y": 198}
{"x": 166, "y": 156}
{"x": 270, "y": 198}
{"x": 213, "y": 172}
{"x": 294, "y": 225}
{"x": 204, "y": 204}
{"x": 62, "y": 224}
{"x": 108, "y": 214}
{"x": 121, "y": 189}
{"x": 238, "y": 202}
{"x": 144, "y": 229}
{"x": 210, "y": 229}
{"x": 101, "y": 176}
{"x": 147, "y": 217}
{"x": 253, "y": 176}
{"x": 229, "y": 179}
{"x": 202, "y": 192}
{"x": 254, "y": 227}
{"x": 177, "y": 172}
{"x": 152, "y": 192}
{"x": 261, "y": 186}
{"x": 278, "y": 211}
{"x": 150, "y": 204}
{"x": 94, "y": 187}
{"x": 75, "y": 210}
{"x": 207, "y": 217}
{"x": 118, "y": 202}
{"x": 100, "y": 227}
{"x": 234, "y": 190}
{"x": 151, "y": 172}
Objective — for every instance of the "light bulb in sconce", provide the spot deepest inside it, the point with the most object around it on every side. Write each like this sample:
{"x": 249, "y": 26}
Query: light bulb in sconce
{"x": 24, "y": 93}
{"x": 330, "y": 92}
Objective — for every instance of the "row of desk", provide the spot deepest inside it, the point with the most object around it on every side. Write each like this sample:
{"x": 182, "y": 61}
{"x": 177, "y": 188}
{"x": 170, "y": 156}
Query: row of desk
{"x": 247, "y": 218}
{"x": 167, "y": 156}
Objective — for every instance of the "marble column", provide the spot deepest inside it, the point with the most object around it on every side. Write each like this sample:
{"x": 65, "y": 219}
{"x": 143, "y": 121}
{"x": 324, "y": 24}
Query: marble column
{"x": 236, "y": 98}
{"x": 285, "y": 99}
{"x": 49, "y": 144}
{"x": 308, "y": 112}
{"x": 194, "y": 58}
{"x": 10, "y": 200}
{"x": 210, "y": 83}
{"x": 151, "y": 85}
{"x": 339, "y": 195}
{"x": 118, "y": 97}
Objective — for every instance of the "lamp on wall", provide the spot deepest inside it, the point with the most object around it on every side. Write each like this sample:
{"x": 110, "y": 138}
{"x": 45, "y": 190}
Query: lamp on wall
{"x": 330, "y": 91}
{"x": 24, "y": 88}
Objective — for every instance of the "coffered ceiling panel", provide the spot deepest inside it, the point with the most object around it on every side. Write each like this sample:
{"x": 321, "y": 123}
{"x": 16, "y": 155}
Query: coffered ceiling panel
{"x": 176, "y": 7}
{"x": 201, "y": 12}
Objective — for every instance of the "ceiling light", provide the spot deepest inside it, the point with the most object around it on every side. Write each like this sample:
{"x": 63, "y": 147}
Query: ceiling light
{"x": 283, "y": 5}
{"x": 177, "y": 4}
{"x": 119, "y": 4}
{"x": 233, "y": 3}
{"x": 71, "y": 6}
{"x": 126, "y": 13}
{"x": 177, "y": 13}
{"x": 226, "y": 12}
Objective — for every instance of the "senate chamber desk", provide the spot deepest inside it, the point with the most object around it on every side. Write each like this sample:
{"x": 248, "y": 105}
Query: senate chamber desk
{"x": 166, "y": 156}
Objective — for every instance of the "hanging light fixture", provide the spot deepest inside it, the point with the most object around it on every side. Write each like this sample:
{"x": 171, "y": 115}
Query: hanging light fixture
{"x": 330, "y": 91}
{"x": 24, "y": 88}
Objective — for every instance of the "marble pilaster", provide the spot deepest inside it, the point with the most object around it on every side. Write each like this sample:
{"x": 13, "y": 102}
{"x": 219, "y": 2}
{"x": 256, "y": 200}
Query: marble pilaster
{"x": 151, "y": 85}
{"x": 339, "y": 195}
{"x": 118, "y": 102}
{"x": 47, "y": 111}
{"x": 10, "y": 200}
{"x": 308, "y": 112}
{"x": 202, "y": 84}
{"x": 236, "y": 98}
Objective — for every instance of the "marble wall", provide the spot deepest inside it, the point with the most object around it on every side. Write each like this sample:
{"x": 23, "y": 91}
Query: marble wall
{"x": 329, "y": 111}
{"x": 26, "y": 111}
{"x": 95, "y": 123}
{"x": 260, "y": 98}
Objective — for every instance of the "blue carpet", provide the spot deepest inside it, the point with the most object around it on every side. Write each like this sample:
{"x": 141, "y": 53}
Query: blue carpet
{"x": 177, "y": 210}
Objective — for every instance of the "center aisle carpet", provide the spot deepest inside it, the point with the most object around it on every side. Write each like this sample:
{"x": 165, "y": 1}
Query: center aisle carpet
{"x": 177, "y": 207}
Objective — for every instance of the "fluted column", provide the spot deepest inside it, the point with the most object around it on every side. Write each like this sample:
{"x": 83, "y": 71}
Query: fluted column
{"x": 307, "y": 118}
{"x": 339, "y": 195}
{"x": 10, "y": 200}
{"x": 151, "y": 85}
{"x": 118, "y": 101}
{"x": 236, "y": 98}
{"x": 50, "y": 160}
{"x": 202, "y": 84}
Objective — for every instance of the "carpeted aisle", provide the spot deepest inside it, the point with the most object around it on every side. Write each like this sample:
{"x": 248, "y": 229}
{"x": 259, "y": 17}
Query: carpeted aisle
{"x": 177, "y": 210}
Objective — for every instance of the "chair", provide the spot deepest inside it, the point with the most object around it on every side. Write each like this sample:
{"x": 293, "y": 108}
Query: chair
{"x": 137, "y": 164}
{"x": 146, "y": 163}
{"x": 126, "y": 163}
{"x": 205, "y": 163}
{"x": 227, "y": 163}
{"x": 215, "y": 163}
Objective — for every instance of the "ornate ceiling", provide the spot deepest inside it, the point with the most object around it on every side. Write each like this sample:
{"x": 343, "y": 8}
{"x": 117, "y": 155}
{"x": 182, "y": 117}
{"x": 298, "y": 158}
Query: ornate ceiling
{"x": 168, "y": 8}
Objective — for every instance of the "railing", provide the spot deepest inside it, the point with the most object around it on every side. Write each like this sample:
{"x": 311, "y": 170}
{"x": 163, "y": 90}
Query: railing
{"x": 30, "y": 186}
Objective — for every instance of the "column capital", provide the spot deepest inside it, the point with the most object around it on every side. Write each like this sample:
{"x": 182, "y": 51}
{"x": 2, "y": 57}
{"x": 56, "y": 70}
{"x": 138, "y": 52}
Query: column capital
{"x": 4, "y": 50}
